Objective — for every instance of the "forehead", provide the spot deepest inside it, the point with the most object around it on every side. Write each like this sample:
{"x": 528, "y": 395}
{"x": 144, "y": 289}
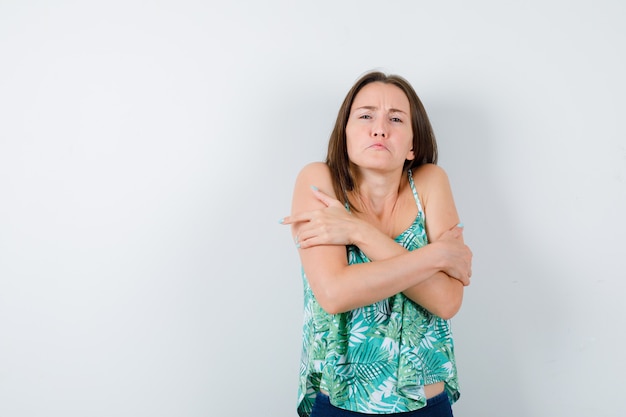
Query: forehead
{"x": 378, "y": 94}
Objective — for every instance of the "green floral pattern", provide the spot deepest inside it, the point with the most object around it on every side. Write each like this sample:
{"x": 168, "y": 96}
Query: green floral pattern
{"x": 376, "y": 359}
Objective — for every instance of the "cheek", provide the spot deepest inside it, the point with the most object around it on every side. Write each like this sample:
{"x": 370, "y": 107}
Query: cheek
{"x": 350, "y": 137}
{"x": 349, "y": 149}
{"x": 409, "y": 147}
{"x": 350, "y": 131}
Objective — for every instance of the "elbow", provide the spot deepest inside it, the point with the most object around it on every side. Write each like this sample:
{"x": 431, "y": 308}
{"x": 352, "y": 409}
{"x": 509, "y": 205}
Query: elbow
{"x": 447, "y": 312}
{"x": 330, "y": 300}
{"x": 450, "y": 302}
{"x": 332, "y": 309}
{"x": 449, "y": 308}
{"x": 331, "y": 292}
{"x": 331, "y": 303}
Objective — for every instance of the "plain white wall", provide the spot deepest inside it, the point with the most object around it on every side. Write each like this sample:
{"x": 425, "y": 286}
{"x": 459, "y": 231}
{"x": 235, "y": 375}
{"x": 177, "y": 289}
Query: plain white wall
{"x": 148, "y": 149}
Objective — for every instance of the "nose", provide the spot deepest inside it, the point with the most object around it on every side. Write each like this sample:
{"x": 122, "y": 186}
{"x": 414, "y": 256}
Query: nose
{"x": 379, "y": 130}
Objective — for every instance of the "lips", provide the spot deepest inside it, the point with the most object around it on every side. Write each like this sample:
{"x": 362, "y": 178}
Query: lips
{"x": 377, "y": 146}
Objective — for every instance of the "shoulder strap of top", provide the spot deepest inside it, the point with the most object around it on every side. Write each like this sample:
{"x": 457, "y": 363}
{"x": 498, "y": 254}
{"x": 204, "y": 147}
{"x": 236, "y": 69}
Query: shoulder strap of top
{"x": 417, "y": 200}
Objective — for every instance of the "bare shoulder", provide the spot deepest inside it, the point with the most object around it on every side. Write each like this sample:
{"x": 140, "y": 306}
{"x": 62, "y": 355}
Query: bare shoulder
{"x": 432, "y": 184}
{"x": 430, "y": 178}
{"x": 316, "y": 174}
{"x": 429, "y": 170}
{"x": 315, "y": 168}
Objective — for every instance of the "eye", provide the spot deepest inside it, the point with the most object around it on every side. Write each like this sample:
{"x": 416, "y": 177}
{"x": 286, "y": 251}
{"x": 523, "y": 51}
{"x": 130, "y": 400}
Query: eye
{"x": 396, "y": 119}
{"x": 365, "y": 116}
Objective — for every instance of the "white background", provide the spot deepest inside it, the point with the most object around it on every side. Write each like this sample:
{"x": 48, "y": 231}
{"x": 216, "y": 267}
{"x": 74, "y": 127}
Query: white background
{"x": 149, "y": 148}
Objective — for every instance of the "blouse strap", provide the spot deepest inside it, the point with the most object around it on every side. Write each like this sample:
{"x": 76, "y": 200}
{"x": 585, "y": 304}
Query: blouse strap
{"x": 417, "y": 200}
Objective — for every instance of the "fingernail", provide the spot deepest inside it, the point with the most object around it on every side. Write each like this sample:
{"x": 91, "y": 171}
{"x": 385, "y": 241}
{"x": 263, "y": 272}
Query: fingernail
{"x": 281, "y": 220}
{"x": 460, "y": 225}
{"x": 297, "y": 246}
{"x": 314, "y": 188}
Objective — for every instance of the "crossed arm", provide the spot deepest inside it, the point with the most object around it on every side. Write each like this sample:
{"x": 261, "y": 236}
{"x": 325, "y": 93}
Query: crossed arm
{"x": 433, "y": 276}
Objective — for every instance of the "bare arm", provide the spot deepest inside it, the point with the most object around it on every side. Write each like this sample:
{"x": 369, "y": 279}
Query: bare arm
{"x": 441, "y": 214}
{"x": 441, "y": 294}
{"x": 341, "y": 287}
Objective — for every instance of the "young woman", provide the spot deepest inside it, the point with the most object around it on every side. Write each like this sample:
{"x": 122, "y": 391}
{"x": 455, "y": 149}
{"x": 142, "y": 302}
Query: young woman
{"x": 383, "y": 262}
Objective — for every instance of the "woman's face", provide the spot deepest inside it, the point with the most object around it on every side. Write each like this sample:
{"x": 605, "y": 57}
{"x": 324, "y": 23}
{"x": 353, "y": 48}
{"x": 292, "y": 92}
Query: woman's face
{"x": 379, "y": 134}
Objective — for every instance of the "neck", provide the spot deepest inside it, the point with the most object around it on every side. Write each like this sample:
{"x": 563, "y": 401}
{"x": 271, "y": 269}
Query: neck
{"x": 378, "y": 192}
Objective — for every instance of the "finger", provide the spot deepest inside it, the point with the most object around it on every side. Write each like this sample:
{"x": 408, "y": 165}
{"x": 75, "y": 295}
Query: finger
{"x": 325, "y": 198}
{"x": 304, "y": 244}
{"x": 297, "y": 218}
{"x": 306, "y": 240}
{"x": 304, "y": 234}
{"x": 454, "y": 233}
{"x": 457, "y": 229}
{"x": 466, "y": 279}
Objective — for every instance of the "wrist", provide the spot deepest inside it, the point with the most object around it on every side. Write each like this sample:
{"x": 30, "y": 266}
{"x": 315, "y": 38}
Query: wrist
{"x": 438, "y": 254}
{"x": 359, "y": 233}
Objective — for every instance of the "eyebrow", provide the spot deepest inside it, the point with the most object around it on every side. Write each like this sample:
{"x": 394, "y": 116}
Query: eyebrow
{"x": 376, "y": 108}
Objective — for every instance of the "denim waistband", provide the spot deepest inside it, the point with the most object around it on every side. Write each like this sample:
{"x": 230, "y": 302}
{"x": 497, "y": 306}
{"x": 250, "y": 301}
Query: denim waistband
{"x": 443, "y": 396}
{"x": 436, "y": 406}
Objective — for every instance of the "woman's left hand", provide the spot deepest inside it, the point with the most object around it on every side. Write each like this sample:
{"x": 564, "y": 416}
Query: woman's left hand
{"x": 332, "y": 225}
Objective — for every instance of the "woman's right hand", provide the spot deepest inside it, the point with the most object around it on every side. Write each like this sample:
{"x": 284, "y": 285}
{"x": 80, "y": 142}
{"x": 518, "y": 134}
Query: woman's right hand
{"x": 332, "y": 225}
{"x": 456, "y": 255}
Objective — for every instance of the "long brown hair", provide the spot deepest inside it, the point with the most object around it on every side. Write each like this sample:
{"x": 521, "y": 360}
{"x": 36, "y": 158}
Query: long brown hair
{"x": 424, "y": 144}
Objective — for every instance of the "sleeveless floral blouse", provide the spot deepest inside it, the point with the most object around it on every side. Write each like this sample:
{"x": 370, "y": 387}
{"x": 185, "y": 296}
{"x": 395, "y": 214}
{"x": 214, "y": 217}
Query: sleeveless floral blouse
{"x": 376, "y": 359}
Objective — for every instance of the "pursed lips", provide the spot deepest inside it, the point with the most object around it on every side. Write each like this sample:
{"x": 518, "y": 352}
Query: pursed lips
{"x": 377, "y": 145}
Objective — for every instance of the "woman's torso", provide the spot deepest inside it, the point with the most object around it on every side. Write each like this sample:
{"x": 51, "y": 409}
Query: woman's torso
{"x": 386, "y": 357}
